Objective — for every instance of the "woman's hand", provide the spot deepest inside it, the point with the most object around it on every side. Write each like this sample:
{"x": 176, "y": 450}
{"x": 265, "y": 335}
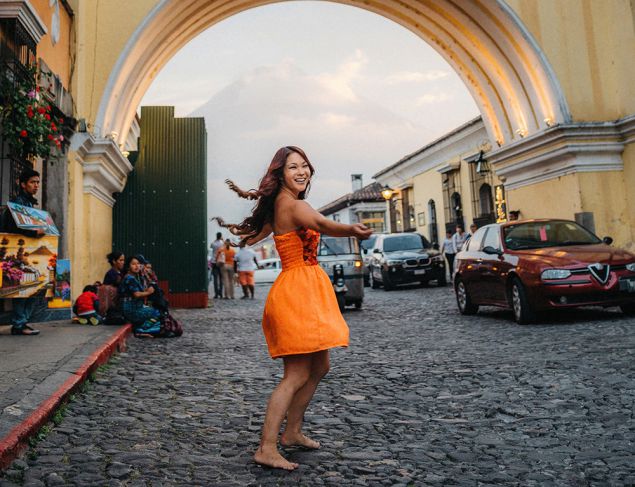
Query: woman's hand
{"x": 361, "y": 231}
{"x": 150, "y": 290}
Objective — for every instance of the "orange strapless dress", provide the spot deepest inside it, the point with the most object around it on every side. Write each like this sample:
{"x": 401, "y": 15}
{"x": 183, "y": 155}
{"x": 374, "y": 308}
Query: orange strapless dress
{"x": 301, "y": 313}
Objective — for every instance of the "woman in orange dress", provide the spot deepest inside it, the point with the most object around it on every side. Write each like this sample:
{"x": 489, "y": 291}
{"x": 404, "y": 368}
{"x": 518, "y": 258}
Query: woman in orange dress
{"x": 301, "y": 320}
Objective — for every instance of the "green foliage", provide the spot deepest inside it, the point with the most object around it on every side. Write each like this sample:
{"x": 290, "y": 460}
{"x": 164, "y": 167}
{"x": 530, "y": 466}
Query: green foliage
{"x": 28, "y": 123}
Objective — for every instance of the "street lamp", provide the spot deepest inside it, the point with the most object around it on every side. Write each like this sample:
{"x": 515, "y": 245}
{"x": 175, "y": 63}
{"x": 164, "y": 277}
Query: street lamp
{"x": 482, "y": 167}
{"x": 387, "y": 193}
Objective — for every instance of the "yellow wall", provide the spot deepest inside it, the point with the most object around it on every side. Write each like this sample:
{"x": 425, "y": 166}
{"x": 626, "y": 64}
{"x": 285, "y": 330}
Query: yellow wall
{"x": 602, "y": 193}
{"x": 90, "y": 239}
{"x": 58, "y": 56}
{"x": 98, "y": 19}
{"x": 427, "y": 186}
{"x": 590, "y": 45}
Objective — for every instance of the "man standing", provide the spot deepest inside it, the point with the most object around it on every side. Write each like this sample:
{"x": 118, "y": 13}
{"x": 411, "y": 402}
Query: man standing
{"x": 473, "y": 229}
{"x": 246, "y": 264}
{"x": 216, "y": 266}
{"x": 458, "y": 239}
{"x": 23, "y": 307}
{"x": 447, "y": 249}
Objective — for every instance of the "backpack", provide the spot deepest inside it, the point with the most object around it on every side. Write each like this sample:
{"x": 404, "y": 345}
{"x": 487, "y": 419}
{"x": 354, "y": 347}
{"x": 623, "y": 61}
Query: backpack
{"x": 171, "y": 326}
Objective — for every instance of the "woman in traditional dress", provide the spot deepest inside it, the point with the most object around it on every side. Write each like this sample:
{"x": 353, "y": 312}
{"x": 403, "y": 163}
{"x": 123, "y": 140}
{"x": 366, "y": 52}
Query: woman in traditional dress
{"x": 132, "y": 295}
{"x": 301, "y": 320}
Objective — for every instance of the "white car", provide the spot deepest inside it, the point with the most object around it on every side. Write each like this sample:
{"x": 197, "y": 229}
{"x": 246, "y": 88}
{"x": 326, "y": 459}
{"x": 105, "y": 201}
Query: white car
{"x": 270, "y": 268}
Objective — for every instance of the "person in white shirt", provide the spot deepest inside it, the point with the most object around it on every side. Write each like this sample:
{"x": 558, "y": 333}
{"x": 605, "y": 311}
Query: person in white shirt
{"x": 447, "y": 249}
{"x": 246, "y": 263}
{"x": 458, "y": 239}
{"x": 216, "y": 266}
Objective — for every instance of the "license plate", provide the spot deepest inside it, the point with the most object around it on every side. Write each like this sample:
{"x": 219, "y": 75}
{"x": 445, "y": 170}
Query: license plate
{"x": 418, "y": 272}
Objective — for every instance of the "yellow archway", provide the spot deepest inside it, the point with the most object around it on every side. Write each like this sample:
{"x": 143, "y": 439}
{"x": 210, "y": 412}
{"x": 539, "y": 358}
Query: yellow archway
{"x": 483, "y": 40}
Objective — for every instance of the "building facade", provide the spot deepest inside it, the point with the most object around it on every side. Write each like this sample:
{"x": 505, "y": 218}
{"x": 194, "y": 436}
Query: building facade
{"x": 446, "y": 183}
{"x": 364, "y": 204}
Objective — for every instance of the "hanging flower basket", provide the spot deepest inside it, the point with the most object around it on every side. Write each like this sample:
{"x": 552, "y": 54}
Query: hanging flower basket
{"x": 29, "y": 125}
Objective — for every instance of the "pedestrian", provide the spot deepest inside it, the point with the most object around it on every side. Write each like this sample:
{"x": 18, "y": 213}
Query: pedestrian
{"x": 246, "y": 264}
{"x": 301, "y": 319}
{"x": 29, "y": 182}
{"x": 217, "y": 266}
{"x": 473, "y": 229}
{"x": 86, "y": 306}
{"x": 132, "y": 295}
{"x": 447, "y": 248}
{"x": 226, "y": 255}
{"x": 458, "y": 239}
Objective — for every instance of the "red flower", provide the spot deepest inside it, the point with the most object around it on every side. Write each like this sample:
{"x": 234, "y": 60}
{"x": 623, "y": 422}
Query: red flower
{"x": 48, "y": 108}
{"x": 47, "y": 116}
{"x": 53, "y": 126}
{"x": 50, "y": 137}
{"x": 29, "y": 114}
{"x": 23, "y": 133}
{"x": 61, "y": 120}
{"x": 41, "y": 110}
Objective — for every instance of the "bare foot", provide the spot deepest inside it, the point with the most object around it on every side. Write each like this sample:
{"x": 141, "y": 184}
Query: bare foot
{"x": 273, "y": 459}
{"x": 293, "y": 439}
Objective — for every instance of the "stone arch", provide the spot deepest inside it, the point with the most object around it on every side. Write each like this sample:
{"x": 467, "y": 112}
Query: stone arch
{"x": 483, "y": 40}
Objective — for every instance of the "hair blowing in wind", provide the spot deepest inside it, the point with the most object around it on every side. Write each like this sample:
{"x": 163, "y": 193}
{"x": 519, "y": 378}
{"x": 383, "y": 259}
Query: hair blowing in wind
{"x": 265, "y": 195}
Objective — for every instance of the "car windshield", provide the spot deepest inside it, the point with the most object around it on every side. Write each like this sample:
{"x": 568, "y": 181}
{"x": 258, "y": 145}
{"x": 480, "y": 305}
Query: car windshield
{"x": 338, "y": 246}
{"x": 537, "y": 235}
{"x": 369, "y": 242}
{"x": 405, "y": 242}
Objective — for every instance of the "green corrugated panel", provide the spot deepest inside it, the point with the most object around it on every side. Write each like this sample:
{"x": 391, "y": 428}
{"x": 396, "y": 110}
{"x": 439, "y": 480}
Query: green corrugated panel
{"x": 162, "y": 212}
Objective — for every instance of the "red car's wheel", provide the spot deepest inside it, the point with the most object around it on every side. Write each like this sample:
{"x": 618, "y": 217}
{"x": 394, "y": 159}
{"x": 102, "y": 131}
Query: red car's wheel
{"x": 523, "y": 313}
{"x": 466, "y": 306}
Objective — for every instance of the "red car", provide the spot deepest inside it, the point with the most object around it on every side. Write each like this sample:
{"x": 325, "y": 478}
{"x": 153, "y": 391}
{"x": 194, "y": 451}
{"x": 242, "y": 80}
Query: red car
{"x": 538, "y": 265}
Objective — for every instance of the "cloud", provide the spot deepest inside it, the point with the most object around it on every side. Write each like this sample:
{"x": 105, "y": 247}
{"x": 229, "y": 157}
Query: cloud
{"x": 340, "y": 82}
{"x": 416, "y": 76}
{"x": 430, "y": 99}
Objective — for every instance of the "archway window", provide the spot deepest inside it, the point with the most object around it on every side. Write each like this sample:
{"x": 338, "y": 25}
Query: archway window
{"x": 485, "y": 199}
{"x": 433, "y": 233}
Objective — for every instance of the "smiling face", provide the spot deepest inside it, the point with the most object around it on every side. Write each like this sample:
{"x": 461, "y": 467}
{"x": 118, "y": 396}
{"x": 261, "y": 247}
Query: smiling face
{"x": 297, "y": 173}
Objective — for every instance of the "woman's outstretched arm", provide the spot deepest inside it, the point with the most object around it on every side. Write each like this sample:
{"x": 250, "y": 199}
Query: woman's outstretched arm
{"x": 305, "y": 216}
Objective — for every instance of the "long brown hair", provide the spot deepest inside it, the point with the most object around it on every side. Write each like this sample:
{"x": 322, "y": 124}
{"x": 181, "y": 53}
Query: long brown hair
{"x": 268, "y": 189}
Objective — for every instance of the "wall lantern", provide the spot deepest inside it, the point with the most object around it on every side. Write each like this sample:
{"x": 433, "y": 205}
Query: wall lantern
{"x": 387, "y": 193}
{"x": 482, "y": 167}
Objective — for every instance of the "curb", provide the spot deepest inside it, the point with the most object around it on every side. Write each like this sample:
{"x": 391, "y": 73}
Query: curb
{"x": 17, "y": 439}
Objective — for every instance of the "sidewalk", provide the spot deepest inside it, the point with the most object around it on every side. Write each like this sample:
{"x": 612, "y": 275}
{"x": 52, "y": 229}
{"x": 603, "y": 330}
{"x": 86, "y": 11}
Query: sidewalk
{"x": 38, "y": 373}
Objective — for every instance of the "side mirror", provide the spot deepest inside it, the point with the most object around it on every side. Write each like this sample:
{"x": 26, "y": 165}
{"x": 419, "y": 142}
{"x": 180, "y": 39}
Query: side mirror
{"x": 376, "y": 251}
{"x": 364, "y": 251}
{"x": 492, "y": 251}
{"x": 607, "y": 240}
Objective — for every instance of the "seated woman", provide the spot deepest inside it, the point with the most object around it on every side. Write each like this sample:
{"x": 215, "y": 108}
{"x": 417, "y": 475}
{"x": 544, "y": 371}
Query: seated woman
{"x": 132, "y": 294}
{"x": 107, "y": 292}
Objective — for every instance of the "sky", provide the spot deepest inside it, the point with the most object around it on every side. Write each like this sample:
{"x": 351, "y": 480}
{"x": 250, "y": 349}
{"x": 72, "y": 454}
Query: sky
{"x": 355, "y": 90}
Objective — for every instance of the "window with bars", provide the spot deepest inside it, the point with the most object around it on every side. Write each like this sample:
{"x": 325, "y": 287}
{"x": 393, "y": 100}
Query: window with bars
{"x": 17, "y": 53}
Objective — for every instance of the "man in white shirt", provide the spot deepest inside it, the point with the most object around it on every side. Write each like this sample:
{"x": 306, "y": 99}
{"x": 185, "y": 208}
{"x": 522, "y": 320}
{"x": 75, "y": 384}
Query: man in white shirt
{"x": 216, "y": 267}
{"x": 246, "y": 264}
{"x": 458, "y": 239}
{"x": 447, "y": 249}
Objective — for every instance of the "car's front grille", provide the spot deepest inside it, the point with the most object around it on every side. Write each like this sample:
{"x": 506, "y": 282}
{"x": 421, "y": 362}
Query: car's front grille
{"x": 416, "y": 262}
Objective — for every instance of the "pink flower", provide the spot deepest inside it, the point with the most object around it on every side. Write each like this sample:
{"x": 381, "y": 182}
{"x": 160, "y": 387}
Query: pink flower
{"x": 31, "y": 94}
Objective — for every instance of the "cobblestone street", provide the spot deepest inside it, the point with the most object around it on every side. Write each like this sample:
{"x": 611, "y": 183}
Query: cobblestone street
{"x": 423, "y": 396}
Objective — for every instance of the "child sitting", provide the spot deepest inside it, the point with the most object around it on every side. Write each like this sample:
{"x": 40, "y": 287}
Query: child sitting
{"x": 86, "y": 306}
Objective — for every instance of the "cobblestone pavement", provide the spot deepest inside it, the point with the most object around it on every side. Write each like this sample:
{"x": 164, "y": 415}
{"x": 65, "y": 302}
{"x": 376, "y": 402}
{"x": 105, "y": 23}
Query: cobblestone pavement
{"x": 422, "y": 397}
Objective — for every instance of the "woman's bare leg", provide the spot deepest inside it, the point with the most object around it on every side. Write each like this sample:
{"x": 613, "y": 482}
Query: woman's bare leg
{"x": 297, "y": 370}
{"x": 292, "y": 434}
